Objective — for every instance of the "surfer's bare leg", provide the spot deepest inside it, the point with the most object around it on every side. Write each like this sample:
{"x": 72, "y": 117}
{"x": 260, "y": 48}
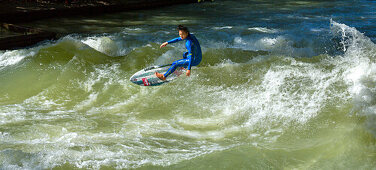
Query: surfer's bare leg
{"x": 160, "y": 76}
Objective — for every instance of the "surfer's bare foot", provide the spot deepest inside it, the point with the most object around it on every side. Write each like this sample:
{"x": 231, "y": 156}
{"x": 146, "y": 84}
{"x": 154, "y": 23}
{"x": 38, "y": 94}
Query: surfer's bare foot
{"x": 160, "y": 76}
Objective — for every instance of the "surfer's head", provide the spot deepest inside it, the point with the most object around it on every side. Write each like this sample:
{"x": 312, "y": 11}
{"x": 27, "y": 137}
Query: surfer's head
{"x": 183, "y": 32}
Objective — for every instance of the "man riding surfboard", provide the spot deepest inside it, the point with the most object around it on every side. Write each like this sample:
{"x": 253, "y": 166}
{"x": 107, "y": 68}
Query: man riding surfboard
{"x": 191, "y": 58}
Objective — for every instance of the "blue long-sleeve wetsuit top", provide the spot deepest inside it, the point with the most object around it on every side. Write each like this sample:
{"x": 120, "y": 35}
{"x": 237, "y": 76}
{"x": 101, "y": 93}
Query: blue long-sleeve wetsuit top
{"x": 194, "y": 54}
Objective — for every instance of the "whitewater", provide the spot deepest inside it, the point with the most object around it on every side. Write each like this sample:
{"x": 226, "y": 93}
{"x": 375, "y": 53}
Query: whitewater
{"x": 282, "y": 85}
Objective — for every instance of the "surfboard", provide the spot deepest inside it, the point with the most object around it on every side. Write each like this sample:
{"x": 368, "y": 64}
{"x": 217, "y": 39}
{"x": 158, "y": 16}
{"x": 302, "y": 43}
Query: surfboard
{"x": 146, "y": 77}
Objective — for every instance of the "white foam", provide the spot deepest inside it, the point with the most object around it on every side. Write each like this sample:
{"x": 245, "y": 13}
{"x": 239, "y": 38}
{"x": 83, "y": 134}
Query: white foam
{"x": 280, "y": 45}
{"x": 317, "y": 29}
{"x": 103, "y": 44}
{"x": 15, "y": 56}
{"x": 106, "y": 75}
{"x": 288, "y": 94}
{"x": 269, "y": 42}
{"x": 12, "y": 113}
{"x": 221, "y": 28}
{"x": 264, "y": 43}
{"x": 126, "y": 155}
{"x": 360, "y": 70}
{"x": 263, "y": 30}
{"x": 133, "y": 29}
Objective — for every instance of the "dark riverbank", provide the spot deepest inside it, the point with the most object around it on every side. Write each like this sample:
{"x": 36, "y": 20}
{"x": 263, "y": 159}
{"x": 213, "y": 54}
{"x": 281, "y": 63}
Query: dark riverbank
{"x": 18, "y": 36}
{"x": 18, "y": 12}
{"x": 22, "y": 11}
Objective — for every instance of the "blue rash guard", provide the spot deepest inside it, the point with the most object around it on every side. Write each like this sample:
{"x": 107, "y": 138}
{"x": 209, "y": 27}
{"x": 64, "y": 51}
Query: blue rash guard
{"x": 191, "y": 58}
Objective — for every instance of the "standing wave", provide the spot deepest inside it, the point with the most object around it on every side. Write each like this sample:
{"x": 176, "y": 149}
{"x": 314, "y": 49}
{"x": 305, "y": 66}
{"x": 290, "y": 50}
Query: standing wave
{"x": 359, "y": 61}
{"x": 70, "y": 105}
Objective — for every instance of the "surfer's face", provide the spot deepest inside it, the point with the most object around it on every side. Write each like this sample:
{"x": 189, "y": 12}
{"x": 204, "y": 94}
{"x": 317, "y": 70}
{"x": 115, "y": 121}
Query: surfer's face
{"x": 183, "y": 35}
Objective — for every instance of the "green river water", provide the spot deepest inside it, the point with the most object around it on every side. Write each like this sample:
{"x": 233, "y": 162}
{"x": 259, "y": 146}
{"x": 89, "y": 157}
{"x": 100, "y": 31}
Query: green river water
{"x": 282, "y": 85}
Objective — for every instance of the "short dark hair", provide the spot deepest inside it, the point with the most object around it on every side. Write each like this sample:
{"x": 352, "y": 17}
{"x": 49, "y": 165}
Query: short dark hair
{"x": 183, "y": 28}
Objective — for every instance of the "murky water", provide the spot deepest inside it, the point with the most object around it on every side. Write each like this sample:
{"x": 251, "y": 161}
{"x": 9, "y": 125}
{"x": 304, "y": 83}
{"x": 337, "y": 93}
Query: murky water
{"x": 282, "y": 85}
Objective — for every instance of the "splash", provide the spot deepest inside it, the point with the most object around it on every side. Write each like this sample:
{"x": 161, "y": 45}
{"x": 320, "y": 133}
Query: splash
{"x": 360, "y": 72}
{"x": 104, "y": 44}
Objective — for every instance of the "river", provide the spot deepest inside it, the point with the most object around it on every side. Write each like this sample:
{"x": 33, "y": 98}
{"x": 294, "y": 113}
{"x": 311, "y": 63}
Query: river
{"x": 282, "y": 85}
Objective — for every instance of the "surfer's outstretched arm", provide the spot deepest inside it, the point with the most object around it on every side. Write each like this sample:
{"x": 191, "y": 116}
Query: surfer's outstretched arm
{"x": 175, "y": 40}
{"x": 171, "y": 41}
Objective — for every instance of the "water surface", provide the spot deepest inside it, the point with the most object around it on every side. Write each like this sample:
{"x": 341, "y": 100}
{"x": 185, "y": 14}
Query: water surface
{"x": 282, "y": 85}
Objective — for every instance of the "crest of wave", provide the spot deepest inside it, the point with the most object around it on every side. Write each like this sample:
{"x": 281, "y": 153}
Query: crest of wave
{"x": 359, "y": 64}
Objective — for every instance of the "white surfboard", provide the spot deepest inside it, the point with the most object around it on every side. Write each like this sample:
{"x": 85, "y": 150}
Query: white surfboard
{"x": 146, "y": 77}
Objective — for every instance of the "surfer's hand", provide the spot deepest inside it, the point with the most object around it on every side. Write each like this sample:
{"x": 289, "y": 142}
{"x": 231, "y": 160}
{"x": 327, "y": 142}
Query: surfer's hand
{"x": 188, "y": 73}
{"x": 164, "y": 44}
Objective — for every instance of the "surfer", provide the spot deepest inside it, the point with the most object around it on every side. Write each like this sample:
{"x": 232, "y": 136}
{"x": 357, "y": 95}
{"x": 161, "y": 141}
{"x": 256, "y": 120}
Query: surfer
{"x": 191, "y": 58}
